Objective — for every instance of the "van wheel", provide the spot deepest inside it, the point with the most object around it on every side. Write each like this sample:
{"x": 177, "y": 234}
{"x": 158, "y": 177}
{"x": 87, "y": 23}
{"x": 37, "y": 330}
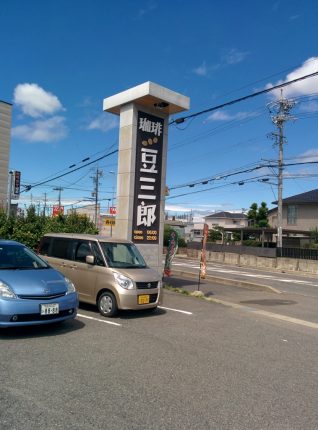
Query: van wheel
{"x": 107, "y": 304}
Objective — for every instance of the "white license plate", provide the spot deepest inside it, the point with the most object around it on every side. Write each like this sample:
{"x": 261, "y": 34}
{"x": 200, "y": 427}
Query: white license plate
{"x": 50, "y": 309}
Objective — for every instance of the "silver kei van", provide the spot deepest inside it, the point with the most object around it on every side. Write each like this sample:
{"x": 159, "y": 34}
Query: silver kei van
{"x": 108, "y": 272}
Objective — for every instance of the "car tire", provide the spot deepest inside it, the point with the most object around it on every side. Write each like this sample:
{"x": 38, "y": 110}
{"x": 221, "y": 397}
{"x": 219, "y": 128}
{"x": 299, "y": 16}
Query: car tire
{"x": 107, "y": 304}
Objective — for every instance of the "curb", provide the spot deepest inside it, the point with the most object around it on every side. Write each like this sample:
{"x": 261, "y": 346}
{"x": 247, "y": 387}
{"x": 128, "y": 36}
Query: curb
{"x": 230, "y": 282}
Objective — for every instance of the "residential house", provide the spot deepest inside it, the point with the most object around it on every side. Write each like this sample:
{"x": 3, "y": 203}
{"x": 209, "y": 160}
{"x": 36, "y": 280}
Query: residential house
{"x": 226, "y": 220}
{"x": 300, "y": 212}
{"x": 183, "y": 228}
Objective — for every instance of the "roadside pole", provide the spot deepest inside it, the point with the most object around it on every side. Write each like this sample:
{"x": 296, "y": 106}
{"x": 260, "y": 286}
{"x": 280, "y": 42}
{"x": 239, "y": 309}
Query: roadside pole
{"x": 202, "y": 271}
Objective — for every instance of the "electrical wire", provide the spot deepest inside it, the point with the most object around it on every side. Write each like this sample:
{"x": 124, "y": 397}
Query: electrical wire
{"x": 29, "y": 187}
{"x": 240, "y": 99}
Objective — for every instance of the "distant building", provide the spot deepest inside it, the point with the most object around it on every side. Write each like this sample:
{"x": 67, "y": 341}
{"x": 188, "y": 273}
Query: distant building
{"x": 184, "y": 228}
{"x": 106, "y": 222}
{"x": 300, "y": 212}
{"x": 197, "y": 231}
{"x": 226, "y": 220}
{"x": 88, "y": 210}
{"x": 5, "y": 133}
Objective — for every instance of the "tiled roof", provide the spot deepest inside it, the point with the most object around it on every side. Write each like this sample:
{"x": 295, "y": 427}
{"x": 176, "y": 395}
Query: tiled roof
{"x": 308, "y": 197}
{"x": 227, "y": 215}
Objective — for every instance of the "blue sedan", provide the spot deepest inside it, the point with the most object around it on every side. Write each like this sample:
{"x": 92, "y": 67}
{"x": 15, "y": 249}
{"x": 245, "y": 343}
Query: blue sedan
{"x": 32, "y": 292}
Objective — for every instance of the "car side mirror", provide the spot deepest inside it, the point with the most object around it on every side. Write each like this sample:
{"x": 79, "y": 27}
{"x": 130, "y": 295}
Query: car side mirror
{"x": 90, "y": 259}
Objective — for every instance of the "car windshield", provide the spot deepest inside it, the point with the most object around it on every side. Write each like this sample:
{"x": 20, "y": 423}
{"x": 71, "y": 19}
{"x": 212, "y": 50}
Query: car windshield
{"x": 19, "y": 257}
{"x": 123, "y": 255}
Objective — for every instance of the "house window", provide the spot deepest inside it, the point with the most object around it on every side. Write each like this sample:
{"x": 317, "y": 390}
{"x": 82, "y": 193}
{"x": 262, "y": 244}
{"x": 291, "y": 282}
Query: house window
{"x": 292, "y": 215}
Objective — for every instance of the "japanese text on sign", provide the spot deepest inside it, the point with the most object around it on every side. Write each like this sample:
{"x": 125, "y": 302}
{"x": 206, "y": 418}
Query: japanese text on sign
{"x": 148, "y": 179}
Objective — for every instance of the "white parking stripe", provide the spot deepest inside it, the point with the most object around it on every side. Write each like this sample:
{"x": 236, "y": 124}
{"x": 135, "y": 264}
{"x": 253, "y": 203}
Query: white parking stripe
{"x": 176, "y": 310}
{"x": 97, "y": 319}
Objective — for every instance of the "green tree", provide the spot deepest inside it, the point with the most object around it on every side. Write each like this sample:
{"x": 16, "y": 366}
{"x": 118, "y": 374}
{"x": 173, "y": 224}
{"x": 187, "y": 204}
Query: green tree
{"x": 166, "y": 236}
{"x": 258, "y": 215}
{"x": 214, "y": 235}
{"x": 314, "y": 235}
{"x": 29, "y": 228}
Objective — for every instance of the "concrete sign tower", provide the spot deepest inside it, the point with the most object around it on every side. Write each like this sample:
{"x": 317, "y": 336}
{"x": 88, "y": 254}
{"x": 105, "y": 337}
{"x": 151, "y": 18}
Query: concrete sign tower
{"x": 141, "y": 182}
{"x": 5, "y": 132}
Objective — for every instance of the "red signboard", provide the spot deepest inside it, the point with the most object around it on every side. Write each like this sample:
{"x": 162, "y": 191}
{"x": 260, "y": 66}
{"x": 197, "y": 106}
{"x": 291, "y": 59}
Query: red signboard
{"x": 15, "y": 184}
{"x": 112, "y": 210}
{"x": 58, "y": 210}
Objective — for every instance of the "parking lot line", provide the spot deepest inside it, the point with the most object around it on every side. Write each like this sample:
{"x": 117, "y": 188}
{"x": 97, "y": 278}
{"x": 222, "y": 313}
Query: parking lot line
{"x": 175, "y": 310}
{"x": 97, "y": 319}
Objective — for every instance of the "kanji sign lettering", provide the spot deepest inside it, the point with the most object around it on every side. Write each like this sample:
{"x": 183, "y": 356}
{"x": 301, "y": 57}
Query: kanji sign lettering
{"x": 147, "y": 179}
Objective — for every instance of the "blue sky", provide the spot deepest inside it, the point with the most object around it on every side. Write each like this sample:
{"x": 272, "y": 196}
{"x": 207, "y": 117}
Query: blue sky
{"x": 60, "y": 59}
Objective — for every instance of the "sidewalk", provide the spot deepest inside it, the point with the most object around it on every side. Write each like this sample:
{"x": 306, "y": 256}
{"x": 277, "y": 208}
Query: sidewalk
{"x": 289, "y": 305}
{"x": 257, "y": 286}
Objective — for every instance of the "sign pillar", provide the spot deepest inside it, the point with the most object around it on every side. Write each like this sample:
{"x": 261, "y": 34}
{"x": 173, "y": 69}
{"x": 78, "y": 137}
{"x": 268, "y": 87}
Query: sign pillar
{"x": 141, "y": 180}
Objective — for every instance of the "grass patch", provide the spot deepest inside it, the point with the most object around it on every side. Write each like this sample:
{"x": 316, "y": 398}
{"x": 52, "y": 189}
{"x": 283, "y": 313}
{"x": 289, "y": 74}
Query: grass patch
{"x": 176, "y": 290}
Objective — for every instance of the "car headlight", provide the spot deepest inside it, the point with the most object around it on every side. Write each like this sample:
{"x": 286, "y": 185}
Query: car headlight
{"x": 123, "y": 281}
{"x": 6, "y": 292}
{"x": 70, "y": 286}
{"x": 159, "y": 284}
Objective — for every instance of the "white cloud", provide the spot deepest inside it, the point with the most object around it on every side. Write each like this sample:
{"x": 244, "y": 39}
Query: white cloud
{"x": 219, "y": 115}
{"x": 176, "y": 208}
{"x": 103, "y": 123}
{"x": 294, "y": 17}
{"x": 222, "y": 115}
{"x": 234, "y": 56}
{"x": 43, "y": 130}
{"x": 35, "y": 101}
{"x": 310, "y": 106}
{"x": 304, "y": 87}
{"x": 201, "y": 70}
{"x": 310, "y": 155}
{"x": 149, "y": 7}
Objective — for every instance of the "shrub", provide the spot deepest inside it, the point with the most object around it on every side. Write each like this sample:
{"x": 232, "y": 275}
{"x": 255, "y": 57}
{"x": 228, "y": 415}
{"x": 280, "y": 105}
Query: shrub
{"x": 30, "y": 228}
{"x": 251, "y": 242}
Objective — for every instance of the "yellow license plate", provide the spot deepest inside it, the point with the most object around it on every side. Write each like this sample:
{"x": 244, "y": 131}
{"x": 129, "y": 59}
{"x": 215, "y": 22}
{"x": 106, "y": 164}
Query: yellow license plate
{"x": 143, "y": 300}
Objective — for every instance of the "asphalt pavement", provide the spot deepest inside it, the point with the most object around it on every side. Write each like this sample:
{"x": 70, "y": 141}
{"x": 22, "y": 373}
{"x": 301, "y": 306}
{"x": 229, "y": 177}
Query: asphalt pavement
{"x": 192, "y": 364}
{"x": 254, "y": 295}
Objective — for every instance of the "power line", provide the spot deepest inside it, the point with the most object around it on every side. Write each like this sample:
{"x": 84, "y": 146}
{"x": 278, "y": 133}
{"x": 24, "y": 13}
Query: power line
{"x": 205, "y": 182}
{"x": 29, "y": 187}
{"x": 267, "y": 90}
{"x": 82, "y": 161}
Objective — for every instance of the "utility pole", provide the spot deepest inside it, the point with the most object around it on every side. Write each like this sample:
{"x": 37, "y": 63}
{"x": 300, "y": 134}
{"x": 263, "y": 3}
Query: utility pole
{"x": 44, "y": 208}
{"x": 280, "y": 114}
{"x": 99, "y": 174}
{"x": 59, "y": 189}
